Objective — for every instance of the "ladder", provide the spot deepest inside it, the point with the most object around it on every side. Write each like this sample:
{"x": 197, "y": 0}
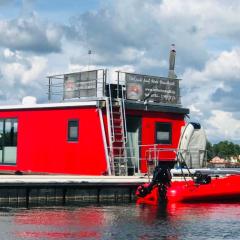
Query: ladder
{"x": 117, "y": 135}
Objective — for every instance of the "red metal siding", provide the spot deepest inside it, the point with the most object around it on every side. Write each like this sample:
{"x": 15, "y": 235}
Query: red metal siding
{"x": 149, "y": 120}
{"x": 148, "y": 135}
{"x": 43, "y": 146}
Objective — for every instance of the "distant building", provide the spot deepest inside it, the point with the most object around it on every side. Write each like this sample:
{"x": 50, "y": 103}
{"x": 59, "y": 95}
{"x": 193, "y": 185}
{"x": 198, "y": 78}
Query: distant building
{"x": 221, "y": 162}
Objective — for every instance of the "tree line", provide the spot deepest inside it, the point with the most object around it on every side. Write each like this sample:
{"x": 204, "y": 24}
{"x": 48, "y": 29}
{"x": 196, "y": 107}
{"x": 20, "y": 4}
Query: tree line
{"x": 223, "y": 149}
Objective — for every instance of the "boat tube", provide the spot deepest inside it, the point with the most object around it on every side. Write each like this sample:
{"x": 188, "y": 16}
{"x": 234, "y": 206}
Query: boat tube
{"x": 200, "y": 188}
{"x": 217, "y": 189}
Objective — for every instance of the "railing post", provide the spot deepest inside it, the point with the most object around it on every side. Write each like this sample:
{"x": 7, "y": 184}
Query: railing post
{"x": 49, "y": 89}
{"x": 118, "y": 84}
{"x": 104, "y": 82}
{"x": 155, "y": 154}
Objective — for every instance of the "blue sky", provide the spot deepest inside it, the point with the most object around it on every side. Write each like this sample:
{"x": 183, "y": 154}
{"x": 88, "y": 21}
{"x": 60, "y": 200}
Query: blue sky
{"x": 40, "y": 37}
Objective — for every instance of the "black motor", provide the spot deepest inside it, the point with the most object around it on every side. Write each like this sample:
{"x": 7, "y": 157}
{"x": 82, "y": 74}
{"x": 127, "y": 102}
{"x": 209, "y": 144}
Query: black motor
{"x": 161, "y": 177}
{"x": 200, "y": 178}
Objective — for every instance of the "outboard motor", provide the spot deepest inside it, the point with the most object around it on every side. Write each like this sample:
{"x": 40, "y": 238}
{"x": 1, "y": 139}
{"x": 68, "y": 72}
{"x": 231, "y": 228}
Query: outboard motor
{"x": 200, "y": 178}
{"x": 161, "y": 178}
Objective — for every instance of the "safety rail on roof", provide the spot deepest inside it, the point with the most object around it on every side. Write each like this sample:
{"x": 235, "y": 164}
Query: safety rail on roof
{"x": 97, "y": 84}
{"x": 77, "y": 85}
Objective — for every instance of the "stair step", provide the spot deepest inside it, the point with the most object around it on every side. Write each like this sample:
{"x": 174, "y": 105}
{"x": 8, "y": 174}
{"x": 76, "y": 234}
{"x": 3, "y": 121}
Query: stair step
{"x": 118, "y": 138}
{"x": 118, "y": 127}
{"x": 118, "y": 144}
{"x": 118, "y": 153}
{"x": 117, "y": 119}
{"x": 119, "y": 131}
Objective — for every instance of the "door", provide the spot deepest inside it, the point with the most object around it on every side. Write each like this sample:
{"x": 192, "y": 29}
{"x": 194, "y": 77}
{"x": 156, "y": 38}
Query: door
{"x": 134, "y": 124}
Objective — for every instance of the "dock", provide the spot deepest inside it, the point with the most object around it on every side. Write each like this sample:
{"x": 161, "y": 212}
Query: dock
{"x": 44, "y": 190}
{"x": 49, "y": 190}
{"x": 61, "y": 190}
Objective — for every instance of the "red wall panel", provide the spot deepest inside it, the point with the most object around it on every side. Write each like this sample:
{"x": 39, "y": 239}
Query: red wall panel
{"x": 148, "y": 136}
{"x": 149, "y": 120}
{"x": 43, "y": 145}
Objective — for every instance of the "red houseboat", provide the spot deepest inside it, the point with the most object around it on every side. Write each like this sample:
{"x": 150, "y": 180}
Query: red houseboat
{"x": 94, "y": 126}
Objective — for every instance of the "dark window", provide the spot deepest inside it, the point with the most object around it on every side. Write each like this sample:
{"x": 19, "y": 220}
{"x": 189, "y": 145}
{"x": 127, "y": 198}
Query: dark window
{"x": 163, "y": 133}
{"x": 73, "y": 130}
{"x": 8, "y": 141}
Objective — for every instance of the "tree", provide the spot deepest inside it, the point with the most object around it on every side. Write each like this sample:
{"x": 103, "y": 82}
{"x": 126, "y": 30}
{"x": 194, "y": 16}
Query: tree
{"x": 210, "y": 153}
{"x": 225, "y": 149}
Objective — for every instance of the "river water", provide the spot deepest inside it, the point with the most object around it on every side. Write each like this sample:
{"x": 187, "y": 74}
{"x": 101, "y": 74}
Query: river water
{"x": 140, "y": 222}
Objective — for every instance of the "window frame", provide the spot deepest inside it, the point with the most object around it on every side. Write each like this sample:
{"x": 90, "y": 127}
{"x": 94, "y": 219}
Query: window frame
{"x": 13, "y": 141}
{"x": 69, "y": 138}
{"x": 165, "y": 142}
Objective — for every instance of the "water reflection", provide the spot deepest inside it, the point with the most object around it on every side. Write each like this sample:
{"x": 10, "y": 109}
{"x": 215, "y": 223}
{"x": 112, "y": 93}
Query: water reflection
{"x": 59, "y": 223}
{"x": 140, "y": 222}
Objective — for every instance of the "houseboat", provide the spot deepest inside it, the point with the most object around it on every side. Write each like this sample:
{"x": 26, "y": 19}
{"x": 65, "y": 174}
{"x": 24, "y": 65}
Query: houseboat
{"x": 95, "y": 125}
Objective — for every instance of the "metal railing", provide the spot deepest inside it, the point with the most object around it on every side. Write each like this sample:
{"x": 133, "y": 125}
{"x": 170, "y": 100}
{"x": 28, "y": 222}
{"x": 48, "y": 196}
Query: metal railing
{"x": 77, "y": 85}
{"x": 96, "y": 84}
{"x": 149, "y": 156}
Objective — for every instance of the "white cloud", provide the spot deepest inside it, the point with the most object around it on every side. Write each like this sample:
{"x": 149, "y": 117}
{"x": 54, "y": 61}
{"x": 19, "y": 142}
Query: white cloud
{"x": 214, "y": 87}
{"x": 134, "y": 35}
{"x": 111, "y": 71}
{"x": 21, "y": 75}
{"x": 8, "y": 53}
{"x": 218, "y": 73}
{"x": 222, "y": 125}
{"x": 30, "y": 34}
{"x": 23, "y": 70}
{"x": 129, "y": 54}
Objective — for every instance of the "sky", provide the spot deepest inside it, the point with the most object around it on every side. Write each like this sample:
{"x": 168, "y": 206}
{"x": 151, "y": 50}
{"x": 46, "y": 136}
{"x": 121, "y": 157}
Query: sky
{"x": 42, "y": 37}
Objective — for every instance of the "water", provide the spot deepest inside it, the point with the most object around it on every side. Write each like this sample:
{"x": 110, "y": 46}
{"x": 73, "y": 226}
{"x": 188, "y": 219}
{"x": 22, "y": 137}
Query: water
{"x": 174, "y": 222}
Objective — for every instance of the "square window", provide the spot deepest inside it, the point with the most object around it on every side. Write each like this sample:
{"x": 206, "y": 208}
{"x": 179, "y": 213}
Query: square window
{"x": 73, "y": 126}
{"x": 163, "y": 133}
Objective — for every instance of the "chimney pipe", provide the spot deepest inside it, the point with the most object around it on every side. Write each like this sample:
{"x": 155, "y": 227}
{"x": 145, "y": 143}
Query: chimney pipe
{"x": 172, "y": 56}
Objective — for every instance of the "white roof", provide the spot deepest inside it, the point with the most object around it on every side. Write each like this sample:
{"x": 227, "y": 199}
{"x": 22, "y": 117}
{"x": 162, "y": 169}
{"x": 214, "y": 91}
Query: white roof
{"x": 51, "y": 105}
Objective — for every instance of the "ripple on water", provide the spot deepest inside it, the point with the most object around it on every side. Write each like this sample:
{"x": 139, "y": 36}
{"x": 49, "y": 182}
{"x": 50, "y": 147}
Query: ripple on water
{"x": 140, "y": 222}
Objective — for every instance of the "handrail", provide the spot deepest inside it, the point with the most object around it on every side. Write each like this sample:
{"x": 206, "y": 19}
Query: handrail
{"x": 110, "y": 149}
{"x": 152, "y": 155}
{"x": 111, "y": 113}
{"x": 124, "y": 116}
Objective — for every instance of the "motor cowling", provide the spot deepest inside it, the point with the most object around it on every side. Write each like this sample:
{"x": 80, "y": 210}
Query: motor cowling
{"x": 161, "y": 178}
{"x": 200, "y": 178}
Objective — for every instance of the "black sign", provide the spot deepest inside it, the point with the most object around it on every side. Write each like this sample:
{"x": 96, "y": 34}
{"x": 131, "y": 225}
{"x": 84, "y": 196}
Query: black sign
{"x": 82, "y": 84}
{"x": 156, "y": 89}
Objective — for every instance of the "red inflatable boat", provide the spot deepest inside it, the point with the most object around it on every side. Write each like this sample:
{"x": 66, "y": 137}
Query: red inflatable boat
{"x": 219, "y": 189}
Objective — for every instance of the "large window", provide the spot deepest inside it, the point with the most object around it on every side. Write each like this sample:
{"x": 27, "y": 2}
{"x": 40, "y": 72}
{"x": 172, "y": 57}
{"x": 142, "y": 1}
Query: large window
{"x": 73, "y": 126}
{"x": 163, "y": 133}
{"x": 8, "y": 141}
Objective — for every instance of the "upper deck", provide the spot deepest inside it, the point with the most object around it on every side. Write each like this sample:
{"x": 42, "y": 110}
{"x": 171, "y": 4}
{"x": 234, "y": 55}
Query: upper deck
{"x": 91, "y": 88}
{"x": 140, "y": 92}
